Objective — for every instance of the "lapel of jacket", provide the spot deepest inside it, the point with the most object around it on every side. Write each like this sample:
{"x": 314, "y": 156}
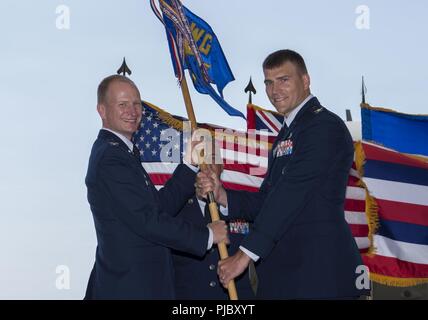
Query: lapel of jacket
{"x": 308, "y": 105}
{"x": 112, "y": 138}
{"x": 285, "y": 133}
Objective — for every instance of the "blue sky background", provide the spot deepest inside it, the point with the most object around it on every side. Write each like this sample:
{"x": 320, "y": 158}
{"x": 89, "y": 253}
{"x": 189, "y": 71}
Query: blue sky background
{"x": 48, "y": 81}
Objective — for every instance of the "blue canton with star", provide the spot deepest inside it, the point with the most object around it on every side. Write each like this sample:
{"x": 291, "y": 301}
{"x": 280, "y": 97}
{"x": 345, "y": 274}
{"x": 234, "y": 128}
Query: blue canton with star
{"x": 157, "y": 141}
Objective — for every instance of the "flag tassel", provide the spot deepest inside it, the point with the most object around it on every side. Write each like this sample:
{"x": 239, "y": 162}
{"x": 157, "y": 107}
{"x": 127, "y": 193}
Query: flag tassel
{"x": 397, "y": 282}
{"x": 371, "y": 205}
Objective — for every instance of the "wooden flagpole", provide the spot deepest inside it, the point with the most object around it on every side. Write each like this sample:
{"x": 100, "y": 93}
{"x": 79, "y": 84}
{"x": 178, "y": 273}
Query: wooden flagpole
{"x": 233, "y": 295}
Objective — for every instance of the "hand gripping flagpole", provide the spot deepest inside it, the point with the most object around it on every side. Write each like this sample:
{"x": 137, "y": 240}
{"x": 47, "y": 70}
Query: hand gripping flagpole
{"x": 215, "y": 216}
{"x": 176, "y": 13}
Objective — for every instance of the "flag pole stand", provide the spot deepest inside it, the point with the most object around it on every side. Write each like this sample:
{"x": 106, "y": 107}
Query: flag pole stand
{"x": 233, "y": 295}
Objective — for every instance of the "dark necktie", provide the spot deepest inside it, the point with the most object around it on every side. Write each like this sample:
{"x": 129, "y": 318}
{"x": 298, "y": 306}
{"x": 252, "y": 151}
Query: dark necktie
{"x": 136, "y": 152}
{"x": 282, "y": 132}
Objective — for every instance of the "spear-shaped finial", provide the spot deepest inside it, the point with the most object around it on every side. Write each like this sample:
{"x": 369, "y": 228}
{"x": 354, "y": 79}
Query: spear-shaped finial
{"x": 363, "y": 91}
{"x": 250, "y": 88}
{"x": 124, "y": 69}
{"x": 348, "y": 115}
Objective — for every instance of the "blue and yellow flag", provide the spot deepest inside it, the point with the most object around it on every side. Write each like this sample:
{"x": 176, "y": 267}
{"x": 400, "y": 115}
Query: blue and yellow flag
{"x": 194, "y": 46}
{"x": 405, "y": 133}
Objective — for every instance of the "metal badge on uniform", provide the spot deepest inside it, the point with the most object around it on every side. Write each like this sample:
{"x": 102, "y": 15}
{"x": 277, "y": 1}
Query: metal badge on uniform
{"x": 146, "y": 180}
{"x": 284, "y": 148}
{"x": 318, "y": 110}
{"x": 239, "y": 226}
{"x": 113, "y": 143}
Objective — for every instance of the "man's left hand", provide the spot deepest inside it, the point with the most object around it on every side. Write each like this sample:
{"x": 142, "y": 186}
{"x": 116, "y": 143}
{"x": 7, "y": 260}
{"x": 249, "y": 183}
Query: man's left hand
{"x": 232, "y": 267}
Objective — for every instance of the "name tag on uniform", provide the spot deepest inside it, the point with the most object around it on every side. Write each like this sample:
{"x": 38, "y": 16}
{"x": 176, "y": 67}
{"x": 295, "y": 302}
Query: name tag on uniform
{"x": 239, "y": 226}
{"x": 284, "y": 148}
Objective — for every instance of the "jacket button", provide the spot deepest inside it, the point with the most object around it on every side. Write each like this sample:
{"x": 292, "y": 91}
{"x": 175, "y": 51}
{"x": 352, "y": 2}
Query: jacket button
{"x": 190, "y": 201}
{"x": 283, "y": 171}
{"x": 213, "y": 284}
{"x": 211, "y": 267}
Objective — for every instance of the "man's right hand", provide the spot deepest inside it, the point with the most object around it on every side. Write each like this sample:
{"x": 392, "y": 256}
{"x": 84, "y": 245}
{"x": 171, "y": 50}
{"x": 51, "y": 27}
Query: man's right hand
{"x": 219, "y": 229}
{"x": 208, "y": 181}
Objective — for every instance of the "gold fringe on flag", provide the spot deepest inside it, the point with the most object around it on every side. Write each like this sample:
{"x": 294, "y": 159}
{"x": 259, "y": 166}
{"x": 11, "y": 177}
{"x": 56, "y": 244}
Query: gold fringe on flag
{"x": 371, "y": 205}
{"x": 167, "y": 117}
{"x": 397, "y": 282}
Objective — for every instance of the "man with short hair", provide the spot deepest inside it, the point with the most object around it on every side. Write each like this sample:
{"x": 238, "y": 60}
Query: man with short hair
{"x": 134, "y": 222}
{"x": 305, "y": 247}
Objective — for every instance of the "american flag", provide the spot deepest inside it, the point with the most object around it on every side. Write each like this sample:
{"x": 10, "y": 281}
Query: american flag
{"x": 244, "y": 154}
{"x": 161, "y": 138}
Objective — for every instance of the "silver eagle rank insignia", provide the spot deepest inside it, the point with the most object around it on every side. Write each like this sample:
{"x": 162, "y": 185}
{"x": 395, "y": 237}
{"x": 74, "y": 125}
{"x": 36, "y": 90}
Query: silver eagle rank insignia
{"x": 318, "y": 110}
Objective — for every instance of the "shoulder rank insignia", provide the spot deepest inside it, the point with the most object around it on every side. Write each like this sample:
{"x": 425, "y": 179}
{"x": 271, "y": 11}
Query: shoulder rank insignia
{"x": 318, "y": 110}
{"x": 112, "y": 143}
{"x": 239, "y": 226}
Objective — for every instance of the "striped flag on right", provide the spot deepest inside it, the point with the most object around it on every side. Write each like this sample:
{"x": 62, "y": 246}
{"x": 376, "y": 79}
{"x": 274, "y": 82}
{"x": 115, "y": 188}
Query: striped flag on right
{"x": 399, "y": 185}
{"x": 386, "y": 203}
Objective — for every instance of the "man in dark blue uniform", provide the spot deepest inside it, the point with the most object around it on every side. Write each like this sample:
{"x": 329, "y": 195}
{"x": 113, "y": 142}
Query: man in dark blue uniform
{"x": 305, "y": 247}
{"x": 134, "y": 222}
{"x": 196, "y": 277}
